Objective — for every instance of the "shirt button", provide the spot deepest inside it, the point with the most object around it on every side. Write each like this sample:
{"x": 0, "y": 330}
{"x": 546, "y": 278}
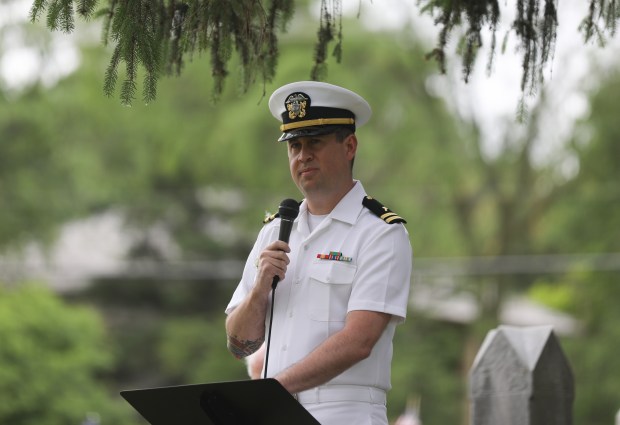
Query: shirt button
{"x": 284, "y": 348}
{"x": 290, "y": 314}
{"x": 305, "y": 247}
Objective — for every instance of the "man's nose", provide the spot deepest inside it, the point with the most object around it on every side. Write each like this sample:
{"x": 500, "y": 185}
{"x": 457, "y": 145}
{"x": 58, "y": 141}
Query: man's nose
{"x": 305, "y": 153}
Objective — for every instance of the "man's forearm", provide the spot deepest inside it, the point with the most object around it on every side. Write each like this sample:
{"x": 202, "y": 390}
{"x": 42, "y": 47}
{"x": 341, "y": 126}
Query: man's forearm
{"x": 326, "y": 362}
{"x": 245, "y": 325}
{"x": 337, "y": 353}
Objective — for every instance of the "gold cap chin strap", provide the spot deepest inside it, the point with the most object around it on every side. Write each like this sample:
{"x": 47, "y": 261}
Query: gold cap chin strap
{"x": 320, "y": 121}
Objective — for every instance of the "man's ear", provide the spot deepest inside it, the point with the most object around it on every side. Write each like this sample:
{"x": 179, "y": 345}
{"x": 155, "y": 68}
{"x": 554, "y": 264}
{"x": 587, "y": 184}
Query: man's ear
{"x": 351, "y": 144}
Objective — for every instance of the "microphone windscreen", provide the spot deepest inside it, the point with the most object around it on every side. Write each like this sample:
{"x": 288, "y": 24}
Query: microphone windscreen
{"x": 289, "y": 209}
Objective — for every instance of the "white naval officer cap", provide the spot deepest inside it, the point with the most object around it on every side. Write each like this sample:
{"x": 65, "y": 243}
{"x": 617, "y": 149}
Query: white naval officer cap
{"x": 312, "y": 108}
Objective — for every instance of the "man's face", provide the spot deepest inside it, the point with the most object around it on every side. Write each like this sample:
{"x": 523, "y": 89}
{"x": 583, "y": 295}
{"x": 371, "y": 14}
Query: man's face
{"x": 321, "y": 165}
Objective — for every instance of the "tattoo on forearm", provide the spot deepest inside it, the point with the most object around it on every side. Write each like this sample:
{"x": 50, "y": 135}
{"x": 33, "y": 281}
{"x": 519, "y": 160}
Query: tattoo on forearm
{"x": 243, "y": 348}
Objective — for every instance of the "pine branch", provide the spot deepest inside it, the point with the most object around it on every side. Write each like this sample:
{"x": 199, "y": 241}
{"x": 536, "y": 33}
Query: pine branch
{"x": 536, "y": 32}
{"x": 325, "y": 35}
{"x": 157, "y": 35}
{"x": 175, "y": 53}
{"x": 111, "y": 73}
{"x": 60, "y": 16}
{"x": 85, "y": 8}
{"x": 107, "y": 14}
{"x": 218, "y": 60}
{"x": 601, "y": 21}
{"x": 38, "y": 6}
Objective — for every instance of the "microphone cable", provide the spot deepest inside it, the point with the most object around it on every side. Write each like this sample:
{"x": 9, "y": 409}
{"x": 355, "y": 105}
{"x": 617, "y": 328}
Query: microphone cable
{"x": 288, "y": 211}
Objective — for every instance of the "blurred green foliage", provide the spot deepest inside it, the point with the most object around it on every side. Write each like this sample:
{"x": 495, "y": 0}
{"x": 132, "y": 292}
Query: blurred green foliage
{"x": 191, "y": 352}
{"x": 52, "y": 357}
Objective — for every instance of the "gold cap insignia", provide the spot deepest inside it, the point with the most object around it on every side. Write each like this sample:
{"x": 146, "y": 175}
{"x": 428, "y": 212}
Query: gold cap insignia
{"x": 296, "y": 105}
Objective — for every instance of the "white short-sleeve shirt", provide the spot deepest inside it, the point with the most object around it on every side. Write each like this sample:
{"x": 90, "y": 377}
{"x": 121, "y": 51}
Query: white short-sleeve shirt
{"x": 369, "y": 269}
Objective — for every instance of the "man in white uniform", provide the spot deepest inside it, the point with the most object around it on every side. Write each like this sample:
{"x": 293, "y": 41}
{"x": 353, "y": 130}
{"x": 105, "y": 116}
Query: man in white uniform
{"x": 344, "y": 275}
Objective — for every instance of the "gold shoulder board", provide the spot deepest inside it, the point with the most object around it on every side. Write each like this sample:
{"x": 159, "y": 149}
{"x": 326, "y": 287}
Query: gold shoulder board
{"x": 270, "y": 218}
{"x": 381, "y": 211}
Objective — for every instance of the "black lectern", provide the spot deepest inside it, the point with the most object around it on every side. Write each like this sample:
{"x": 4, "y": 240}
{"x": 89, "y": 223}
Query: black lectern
{"x": 255, "y": 402}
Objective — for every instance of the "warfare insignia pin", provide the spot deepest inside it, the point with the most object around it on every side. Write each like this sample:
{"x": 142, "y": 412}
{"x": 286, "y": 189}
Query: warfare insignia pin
{"x": 296, "y": 105}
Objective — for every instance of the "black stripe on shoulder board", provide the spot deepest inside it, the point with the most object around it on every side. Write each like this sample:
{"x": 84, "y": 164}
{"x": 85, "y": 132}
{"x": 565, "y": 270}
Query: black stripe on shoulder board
{"x": 381, "y": 211}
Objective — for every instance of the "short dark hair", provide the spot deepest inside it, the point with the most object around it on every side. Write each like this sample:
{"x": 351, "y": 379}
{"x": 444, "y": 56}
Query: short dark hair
{"x": 342, "y": 133}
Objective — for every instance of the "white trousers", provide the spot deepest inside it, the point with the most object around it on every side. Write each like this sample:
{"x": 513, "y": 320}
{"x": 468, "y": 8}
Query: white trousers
{"x": 348, "y": 412}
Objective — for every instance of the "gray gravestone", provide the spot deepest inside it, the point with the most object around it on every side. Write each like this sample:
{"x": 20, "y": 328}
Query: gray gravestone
{"x": 521, "y": 377}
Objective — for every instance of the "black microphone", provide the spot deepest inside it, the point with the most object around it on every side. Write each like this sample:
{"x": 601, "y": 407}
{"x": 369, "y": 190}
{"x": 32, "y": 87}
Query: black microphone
{"x": 288, "y": 211}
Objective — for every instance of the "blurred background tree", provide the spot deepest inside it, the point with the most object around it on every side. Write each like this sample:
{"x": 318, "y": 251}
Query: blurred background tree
{"x": 190, "y": 181}
{"x": 52, "y": 357}
{"x": 584, "y": 220}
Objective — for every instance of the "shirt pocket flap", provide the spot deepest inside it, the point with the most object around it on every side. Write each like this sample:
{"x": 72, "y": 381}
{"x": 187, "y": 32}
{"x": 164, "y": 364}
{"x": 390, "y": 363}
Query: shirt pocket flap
{"x": 333, "y": 272}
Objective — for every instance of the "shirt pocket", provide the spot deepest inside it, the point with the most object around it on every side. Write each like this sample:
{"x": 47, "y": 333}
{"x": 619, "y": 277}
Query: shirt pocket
{"x": 330, "y": 289}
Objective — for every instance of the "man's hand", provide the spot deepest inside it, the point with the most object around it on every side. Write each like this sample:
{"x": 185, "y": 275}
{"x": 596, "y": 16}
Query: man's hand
{"x": 272, "y": 262}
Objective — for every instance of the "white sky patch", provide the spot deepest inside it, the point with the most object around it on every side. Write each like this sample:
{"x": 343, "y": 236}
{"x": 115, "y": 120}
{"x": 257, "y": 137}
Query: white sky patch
{"x": 23, "y": 61}
{"x": 13, "y": 11}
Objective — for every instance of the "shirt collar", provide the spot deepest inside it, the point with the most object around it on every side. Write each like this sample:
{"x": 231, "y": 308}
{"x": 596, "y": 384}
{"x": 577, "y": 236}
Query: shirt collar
{"x": 350, "y": 206}
{"x": 347, "y": 210}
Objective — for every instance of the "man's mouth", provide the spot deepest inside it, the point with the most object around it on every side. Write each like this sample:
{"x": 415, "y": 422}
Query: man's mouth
{"x": 306, "y": 171}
